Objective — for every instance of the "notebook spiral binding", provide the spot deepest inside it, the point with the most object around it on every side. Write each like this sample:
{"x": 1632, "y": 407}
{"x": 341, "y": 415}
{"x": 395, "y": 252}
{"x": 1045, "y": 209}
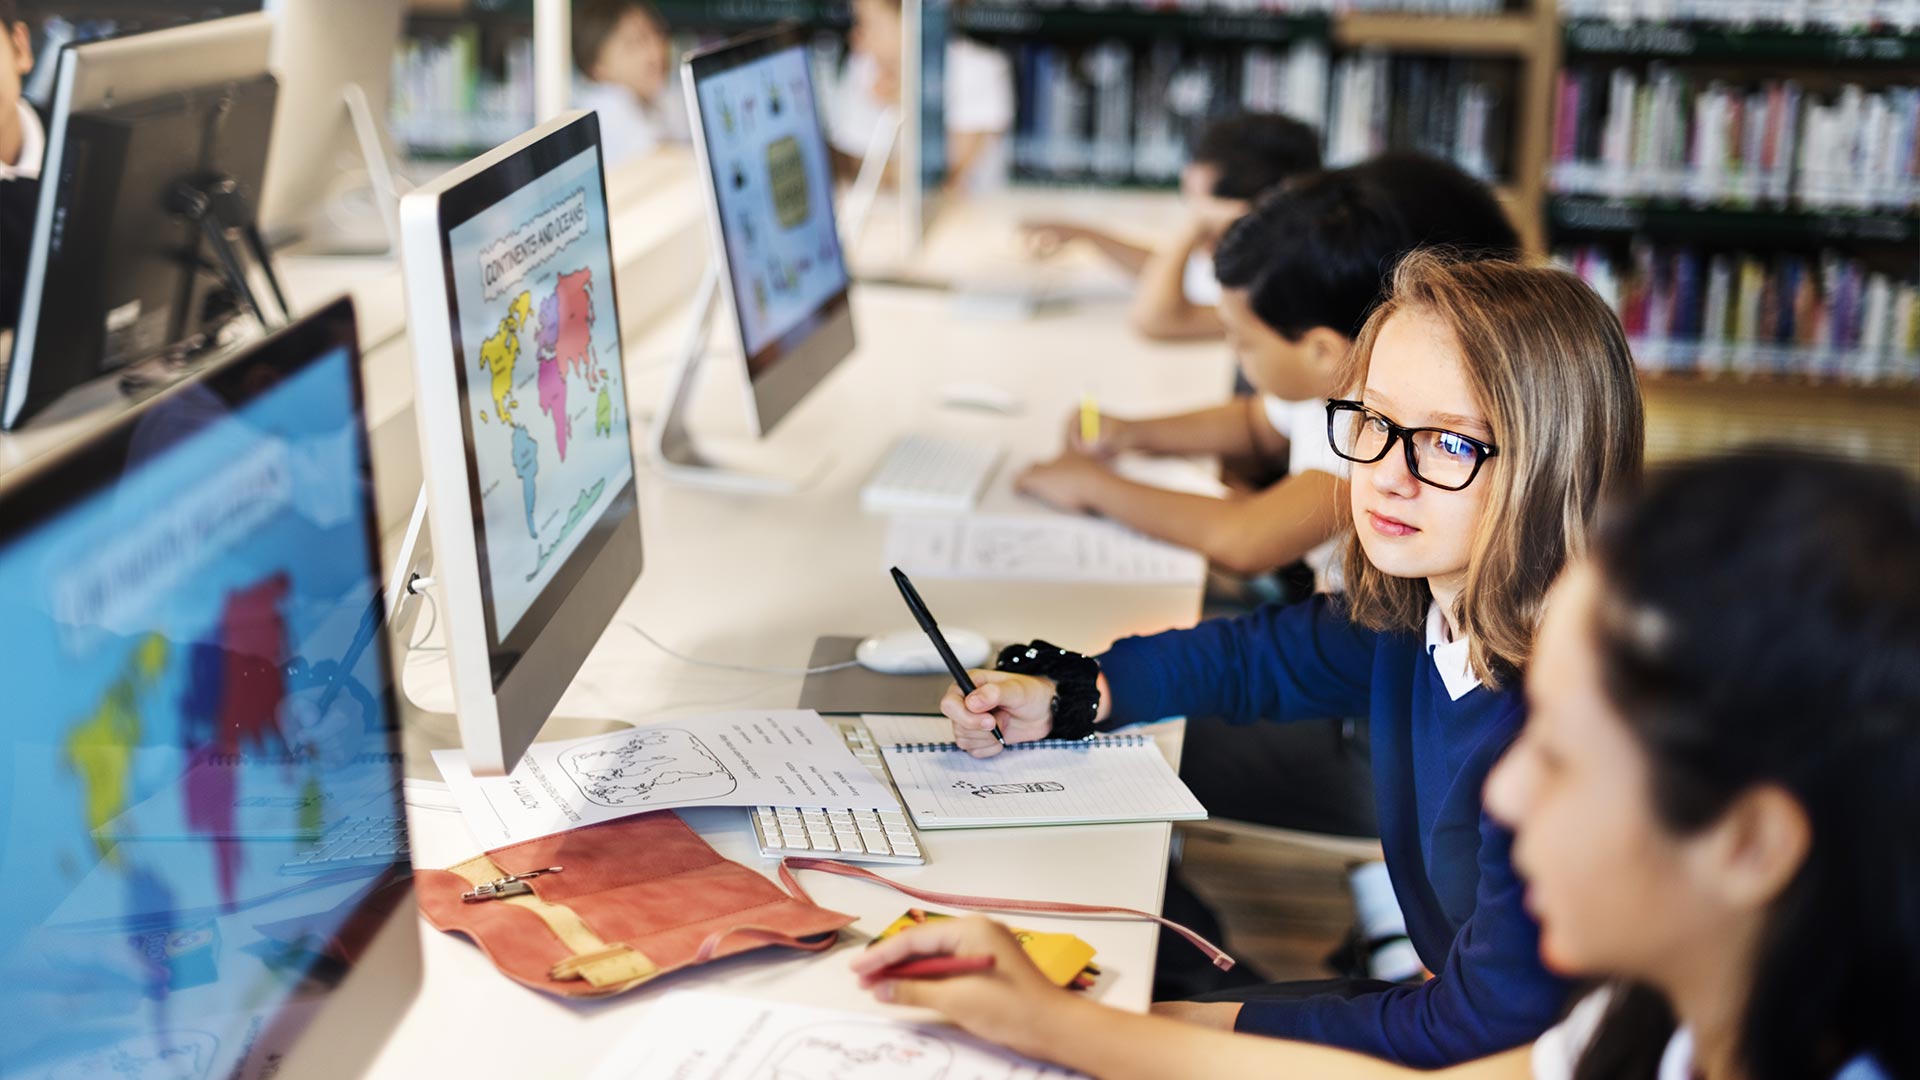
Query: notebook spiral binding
{"x": 1039, "y": 744}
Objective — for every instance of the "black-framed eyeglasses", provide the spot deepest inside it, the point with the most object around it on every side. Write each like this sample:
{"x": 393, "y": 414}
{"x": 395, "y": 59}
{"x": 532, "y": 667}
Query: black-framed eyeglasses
{"x": 1436, "y": 457}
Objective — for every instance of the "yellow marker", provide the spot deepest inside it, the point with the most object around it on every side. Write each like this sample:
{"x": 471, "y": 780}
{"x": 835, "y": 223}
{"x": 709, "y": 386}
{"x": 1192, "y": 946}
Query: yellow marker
{"x": 1089, "y": 420}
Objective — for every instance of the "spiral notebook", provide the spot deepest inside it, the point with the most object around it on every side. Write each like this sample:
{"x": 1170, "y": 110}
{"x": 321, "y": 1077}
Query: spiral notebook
{"x": 1111, "y": 778}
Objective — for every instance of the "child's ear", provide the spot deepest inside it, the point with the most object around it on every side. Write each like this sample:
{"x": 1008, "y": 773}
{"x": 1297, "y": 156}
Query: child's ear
{"x": 1326, "y": 350}
{"x": 22, "y": 49}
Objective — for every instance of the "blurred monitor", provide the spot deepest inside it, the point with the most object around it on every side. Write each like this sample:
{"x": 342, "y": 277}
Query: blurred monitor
{"x": 759, "y": 141}
{"x": 199, "y": 700}
{"x": 330, "y": 182}
{"x": 522, "y": 405}
{"x": 118, "y": 273}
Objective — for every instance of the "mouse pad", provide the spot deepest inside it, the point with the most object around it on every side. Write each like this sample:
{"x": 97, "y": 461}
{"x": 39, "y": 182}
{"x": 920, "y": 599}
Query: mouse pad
{"x": 857, "y": 690}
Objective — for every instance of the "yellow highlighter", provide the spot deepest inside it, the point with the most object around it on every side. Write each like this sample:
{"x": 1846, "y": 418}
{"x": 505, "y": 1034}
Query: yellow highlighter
{"x": 1089, "y": 420}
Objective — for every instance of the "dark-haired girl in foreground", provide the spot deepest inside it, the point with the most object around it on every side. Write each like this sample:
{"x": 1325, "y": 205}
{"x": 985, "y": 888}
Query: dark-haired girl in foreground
{"x": 1715, "y": 798}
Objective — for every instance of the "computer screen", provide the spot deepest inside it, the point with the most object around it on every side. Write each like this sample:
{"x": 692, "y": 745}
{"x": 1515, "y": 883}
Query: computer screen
{"x": 522, "y": 402}
{"x": 546, "y": 395}
{"x": 198, "y": 698}
{"x": 773, "y": 183}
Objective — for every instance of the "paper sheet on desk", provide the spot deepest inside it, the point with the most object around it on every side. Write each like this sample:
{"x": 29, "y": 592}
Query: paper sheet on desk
{"x": 786, "y": 757}
{"x": 1040, "y": 547}
{"x": 694, "y": 1035}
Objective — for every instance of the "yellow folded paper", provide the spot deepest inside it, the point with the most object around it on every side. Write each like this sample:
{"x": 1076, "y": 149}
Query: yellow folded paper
{"x": 1062, "y": 958}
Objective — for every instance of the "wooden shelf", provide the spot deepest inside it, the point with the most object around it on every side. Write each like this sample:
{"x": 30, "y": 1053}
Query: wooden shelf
{"x": 1783, "y": 388}
{"x": 1467, "y": 35}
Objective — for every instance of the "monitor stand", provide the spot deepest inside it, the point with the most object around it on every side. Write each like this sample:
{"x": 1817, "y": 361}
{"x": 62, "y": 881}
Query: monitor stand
{"x": 227, "y": 223}
{"x": 423, "y": 728}
{"x": 671, "y": 443}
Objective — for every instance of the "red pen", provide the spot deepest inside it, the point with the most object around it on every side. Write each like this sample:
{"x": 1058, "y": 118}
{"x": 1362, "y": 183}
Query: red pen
{"x": 934, "y": 967}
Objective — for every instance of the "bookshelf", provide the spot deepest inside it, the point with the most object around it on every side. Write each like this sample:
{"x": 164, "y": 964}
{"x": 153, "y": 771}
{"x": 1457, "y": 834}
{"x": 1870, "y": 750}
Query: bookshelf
{"x": 1767, "y": 265}
{"x": 1835, "y": 247}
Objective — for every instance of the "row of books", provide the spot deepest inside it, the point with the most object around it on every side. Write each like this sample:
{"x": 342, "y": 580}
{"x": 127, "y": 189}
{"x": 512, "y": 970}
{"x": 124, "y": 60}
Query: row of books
{"x": 1451, "y": 107}
{"x": 1841, "y": 15}
{"x": 1670, "y": 134}
{"x": 1120, "y": 112}
{"x": 447, "y": 101}
{"x": 1825, "y": 316}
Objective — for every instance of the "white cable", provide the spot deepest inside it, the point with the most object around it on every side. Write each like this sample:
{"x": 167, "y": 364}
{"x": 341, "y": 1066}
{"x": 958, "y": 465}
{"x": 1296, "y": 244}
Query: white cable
{"x": 697, "y": 662}
{"x": 416, "y": 587}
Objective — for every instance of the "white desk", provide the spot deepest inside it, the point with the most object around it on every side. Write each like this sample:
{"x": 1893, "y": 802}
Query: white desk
{"x": 754, "y": 580}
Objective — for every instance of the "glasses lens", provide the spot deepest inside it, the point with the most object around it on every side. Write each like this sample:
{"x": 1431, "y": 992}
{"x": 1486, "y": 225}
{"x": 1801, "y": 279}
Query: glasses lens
{"x": 1358, "y": 434}
{"x": 1444, "y": 458}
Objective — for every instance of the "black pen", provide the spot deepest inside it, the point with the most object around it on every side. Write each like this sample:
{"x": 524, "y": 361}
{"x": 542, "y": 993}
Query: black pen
{"x": 925, "y": 618}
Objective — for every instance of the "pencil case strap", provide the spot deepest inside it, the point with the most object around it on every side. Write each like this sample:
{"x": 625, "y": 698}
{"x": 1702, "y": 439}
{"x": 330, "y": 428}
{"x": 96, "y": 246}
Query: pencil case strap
{"x": 1213, "y": 952}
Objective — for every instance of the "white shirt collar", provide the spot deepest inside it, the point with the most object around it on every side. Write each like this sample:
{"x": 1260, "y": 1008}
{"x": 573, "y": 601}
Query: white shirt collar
{"x": 33, "y": 146}
{"x": 1449, "y": 657}
{"x": 1677, "y": 1062}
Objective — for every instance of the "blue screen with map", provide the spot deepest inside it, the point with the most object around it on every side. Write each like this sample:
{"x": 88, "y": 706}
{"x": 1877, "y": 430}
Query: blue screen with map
{"x": 197, "y": 700}
{"x": 546, "y": 400}
{"x": 773, "y": 183}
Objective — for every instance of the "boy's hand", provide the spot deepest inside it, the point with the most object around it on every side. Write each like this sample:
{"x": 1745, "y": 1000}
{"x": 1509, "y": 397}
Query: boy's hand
{"x": 1021, "y": 704}
{"x": 1012, "y": 1003}
{"x": 1044, "y": 239}
{"x": 1117, "y": 436}
{"x": 1065, "y": 483}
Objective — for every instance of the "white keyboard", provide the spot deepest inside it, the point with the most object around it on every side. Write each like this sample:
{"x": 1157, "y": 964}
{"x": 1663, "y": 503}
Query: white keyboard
{"x": 928, "y": 474}
{"x": 352, "y": 842}
{"x": 877, "y": 836}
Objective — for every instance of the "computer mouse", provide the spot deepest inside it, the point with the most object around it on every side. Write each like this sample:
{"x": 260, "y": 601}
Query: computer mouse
{"x": 911, "y": 652}
{"x": 979, "y": 395}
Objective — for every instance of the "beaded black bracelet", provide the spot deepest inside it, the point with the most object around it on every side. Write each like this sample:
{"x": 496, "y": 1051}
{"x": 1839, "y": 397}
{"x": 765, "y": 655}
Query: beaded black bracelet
{"x": 1076, "y": 683}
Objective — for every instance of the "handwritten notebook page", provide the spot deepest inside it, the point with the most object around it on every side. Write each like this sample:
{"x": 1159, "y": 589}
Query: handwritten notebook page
{"x": 1114, "y": 778}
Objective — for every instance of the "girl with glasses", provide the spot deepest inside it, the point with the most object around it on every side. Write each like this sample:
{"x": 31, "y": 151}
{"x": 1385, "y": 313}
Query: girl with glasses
{"x": 1491, "y": 406}
{"x": 1713, "y": 805}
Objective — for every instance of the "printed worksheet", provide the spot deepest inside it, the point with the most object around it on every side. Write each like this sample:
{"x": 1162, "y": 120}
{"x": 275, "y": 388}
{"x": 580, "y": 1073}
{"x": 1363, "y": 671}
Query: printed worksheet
{"x": 1051, "y": 547}
{"x": 787, "y": 757}
{"x": 695, "y": 1035}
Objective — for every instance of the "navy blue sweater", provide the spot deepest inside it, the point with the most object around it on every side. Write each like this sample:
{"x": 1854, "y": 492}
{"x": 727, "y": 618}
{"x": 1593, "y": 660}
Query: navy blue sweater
{"x": 1448, "y": 860}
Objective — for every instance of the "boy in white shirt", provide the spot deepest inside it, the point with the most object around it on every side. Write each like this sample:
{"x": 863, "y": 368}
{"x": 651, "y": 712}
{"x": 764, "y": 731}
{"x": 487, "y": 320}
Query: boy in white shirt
{"x": 23, "y": 141}
{"x": 1233, "y": 161}
{"x": 1299, "y": 275}
{"x": 621, "y": 45}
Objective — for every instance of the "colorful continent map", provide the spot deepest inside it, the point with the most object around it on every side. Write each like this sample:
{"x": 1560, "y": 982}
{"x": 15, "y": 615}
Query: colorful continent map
{"x": 99, "y": 749}
{"x": 566, "y": 347}
{"x": 229, "y": 707}
{"x": 563, "y": 348}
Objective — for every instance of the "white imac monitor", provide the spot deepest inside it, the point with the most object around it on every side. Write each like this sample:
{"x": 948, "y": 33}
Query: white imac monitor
{"x": 522, "y": 405}
{"x": 769, "y": 193}
{"x": 330, "y": 183}
{"x": 203, "y": 830}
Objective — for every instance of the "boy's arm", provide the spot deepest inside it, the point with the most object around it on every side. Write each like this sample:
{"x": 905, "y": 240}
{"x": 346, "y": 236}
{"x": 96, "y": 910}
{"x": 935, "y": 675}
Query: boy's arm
{"x": 1161, "y": 310}
{"x": 1238, "y": 428}
{"x": 1045, "y": 237}
{"x": 1247, "y": 535}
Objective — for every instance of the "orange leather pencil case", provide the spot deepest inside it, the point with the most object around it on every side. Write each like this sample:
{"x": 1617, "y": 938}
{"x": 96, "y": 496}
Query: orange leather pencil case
{"x": 601, "y": 909}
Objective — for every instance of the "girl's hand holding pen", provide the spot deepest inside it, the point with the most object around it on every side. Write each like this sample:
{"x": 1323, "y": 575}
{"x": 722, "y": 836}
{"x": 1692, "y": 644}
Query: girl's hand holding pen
{"x": 1021, "y": 704}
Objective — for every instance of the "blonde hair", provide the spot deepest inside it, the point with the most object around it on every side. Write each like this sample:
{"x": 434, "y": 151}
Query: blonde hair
{"x": 1547, "y": 361}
